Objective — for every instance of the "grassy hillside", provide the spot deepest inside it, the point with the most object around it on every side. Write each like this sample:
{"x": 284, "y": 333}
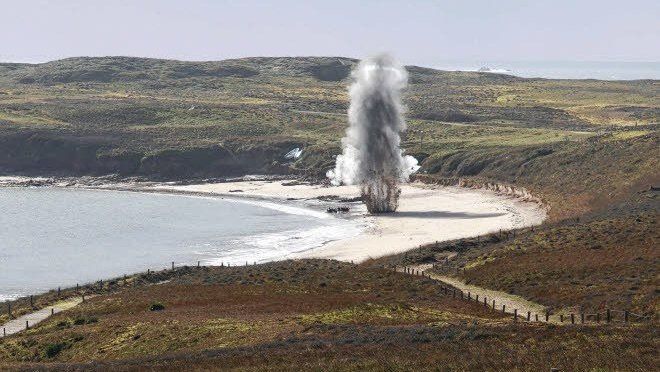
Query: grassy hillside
{"x": 311, "y": 314}
{"x": 572, "y": 177}
{"x": 588, "y": 264}
{"x": 181, "y": 119}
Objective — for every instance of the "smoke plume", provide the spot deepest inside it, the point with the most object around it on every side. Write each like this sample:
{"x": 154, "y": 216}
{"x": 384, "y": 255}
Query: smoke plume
{"x": 372, "y": 156}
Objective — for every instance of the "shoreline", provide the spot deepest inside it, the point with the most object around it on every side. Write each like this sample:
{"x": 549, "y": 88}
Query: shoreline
{"x": 427, "y": 213}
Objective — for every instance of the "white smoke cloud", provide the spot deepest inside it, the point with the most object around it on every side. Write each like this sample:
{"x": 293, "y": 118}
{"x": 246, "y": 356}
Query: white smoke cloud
{"x": 372, "y": 156}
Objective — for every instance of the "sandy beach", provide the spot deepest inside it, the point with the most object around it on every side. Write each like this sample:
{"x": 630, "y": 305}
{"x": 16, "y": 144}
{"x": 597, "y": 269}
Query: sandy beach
{"x": 427, "y": 213}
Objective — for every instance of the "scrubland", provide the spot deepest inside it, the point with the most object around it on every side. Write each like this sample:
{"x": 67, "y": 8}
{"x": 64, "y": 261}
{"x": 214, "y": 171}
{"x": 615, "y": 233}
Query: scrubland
{"x": 587, "y": 149}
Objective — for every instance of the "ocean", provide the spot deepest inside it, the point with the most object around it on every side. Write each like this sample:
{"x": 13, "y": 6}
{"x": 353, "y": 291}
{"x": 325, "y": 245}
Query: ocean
{"x": 560, "y": 69}
{"x": 52, "y": 237}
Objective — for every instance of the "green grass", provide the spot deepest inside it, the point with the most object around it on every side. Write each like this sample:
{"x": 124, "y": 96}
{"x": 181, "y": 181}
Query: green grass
{"x": 120, "y": 95}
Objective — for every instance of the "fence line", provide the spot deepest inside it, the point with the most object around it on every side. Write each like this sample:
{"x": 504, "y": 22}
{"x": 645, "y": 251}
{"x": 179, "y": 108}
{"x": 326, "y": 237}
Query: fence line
{"x": 82, "y": 290}
{"x": 570, "y": 317}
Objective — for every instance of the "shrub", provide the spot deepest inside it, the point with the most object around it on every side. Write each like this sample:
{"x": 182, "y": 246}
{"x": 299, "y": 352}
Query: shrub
{"x": 79, "y": 321}
{"x": 85, "y": 320}
{"x": 157, "y": 306}
{"x": 53, "y": 349}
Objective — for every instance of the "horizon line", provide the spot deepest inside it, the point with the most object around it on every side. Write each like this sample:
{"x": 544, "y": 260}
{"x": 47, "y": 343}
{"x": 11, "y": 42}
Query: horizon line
{"x": 459, "y": 60}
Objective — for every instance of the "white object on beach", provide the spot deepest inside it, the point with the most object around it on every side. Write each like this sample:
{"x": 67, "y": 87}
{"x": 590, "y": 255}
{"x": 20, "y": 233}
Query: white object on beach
{"x": 293, "y": 154}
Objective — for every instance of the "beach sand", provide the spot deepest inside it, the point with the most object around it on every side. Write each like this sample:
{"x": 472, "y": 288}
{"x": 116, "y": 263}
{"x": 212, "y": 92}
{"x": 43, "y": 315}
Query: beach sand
{"x": 426, "y": 214}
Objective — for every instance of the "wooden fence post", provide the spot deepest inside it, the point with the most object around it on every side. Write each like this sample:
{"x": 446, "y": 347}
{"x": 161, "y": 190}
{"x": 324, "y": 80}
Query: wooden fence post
{"x": 469, "y": 298}
{"x": 52, "y": 311}
{"x": 485, "y": 302}
{"x": 198, "y": 263}
{"x": 493, "y": 304}
{"x": 503, "y": 309}
{"x": 547, "y": 316}
{"x": 529, "y": 316}
{"x": 27, "y": 325}
{"x": 476, "y": 298}
{"x": 582, "y": 318}
{"x": 59, "y": 291}
{"x": 572, "y": 318}
{"x": 515, "y": 315}
{"x": 561, "y": 318}
{"x": 454, "y": 294}
{"x": 172, "y": 265}
{"x": 536, "y": 317}
{"x": 609, "y": 316}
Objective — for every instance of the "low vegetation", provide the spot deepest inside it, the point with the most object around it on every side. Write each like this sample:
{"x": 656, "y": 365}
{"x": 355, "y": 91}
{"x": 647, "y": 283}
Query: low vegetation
{"x": 174, "y": 119}
{"x": 312, "y": 314}
{"x": 589, "y": 150}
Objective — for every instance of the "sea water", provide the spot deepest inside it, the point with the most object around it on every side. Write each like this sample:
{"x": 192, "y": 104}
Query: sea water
{"x": 52, "y": 237}
{"x": 561, "y": 69}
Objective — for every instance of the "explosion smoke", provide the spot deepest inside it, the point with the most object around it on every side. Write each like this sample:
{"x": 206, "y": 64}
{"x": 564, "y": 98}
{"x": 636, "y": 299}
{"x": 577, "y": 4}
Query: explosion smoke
{"x": 372, "y": 157}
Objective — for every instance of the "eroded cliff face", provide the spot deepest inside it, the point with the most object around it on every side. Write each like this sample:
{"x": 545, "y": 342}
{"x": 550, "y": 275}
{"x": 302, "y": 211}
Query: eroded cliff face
{"x": 34, "y": 153}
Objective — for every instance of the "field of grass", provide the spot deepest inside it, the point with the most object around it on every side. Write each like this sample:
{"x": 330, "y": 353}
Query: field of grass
{"x": 122, "y": 112}
{"x": 311, "y": 314}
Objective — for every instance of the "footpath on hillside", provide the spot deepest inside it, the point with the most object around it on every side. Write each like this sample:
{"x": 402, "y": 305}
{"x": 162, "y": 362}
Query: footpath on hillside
{"x": 511, "y": 303}
{"x": 19, "y": 324}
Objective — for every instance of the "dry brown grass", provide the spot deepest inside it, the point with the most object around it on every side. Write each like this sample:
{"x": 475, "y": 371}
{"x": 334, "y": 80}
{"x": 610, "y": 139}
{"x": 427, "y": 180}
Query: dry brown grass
{"x": 608, "y": 263}
{"x": 240, "y": 306}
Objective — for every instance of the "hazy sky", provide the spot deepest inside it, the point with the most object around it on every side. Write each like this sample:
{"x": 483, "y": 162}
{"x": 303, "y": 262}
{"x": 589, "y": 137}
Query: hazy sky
{"x": 417, "y": 32}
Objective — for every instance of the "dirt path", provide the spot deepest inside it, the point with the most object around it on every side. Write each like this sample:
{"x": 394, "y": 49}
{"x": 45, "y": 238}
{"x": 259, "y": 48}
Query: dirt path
{"x": 18, "y": 324}
{"x": 511, "y": 302}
